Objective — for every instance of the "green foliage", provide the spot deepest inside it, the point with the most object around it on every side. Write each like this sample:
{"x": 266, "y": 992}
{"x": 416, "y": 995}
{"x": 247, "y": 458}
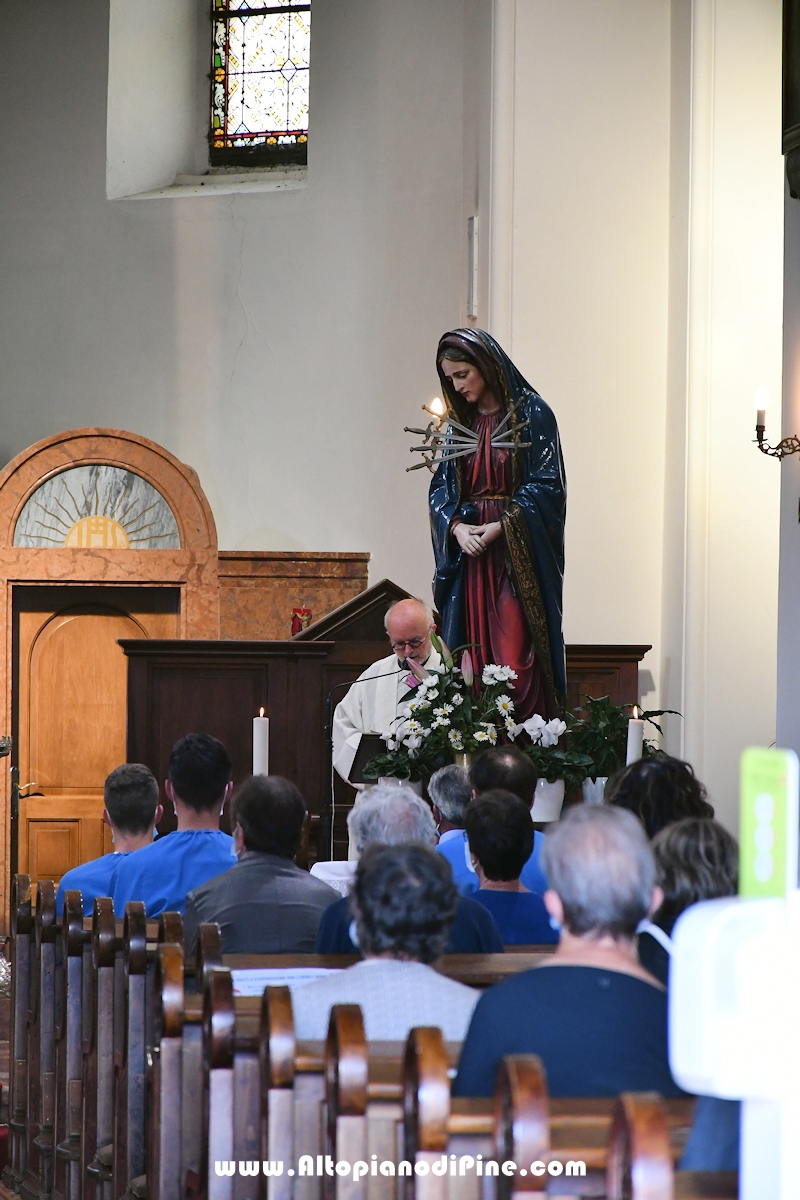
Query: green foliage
{"x": 553, "y": 763}
{"x": 602, "y": 734}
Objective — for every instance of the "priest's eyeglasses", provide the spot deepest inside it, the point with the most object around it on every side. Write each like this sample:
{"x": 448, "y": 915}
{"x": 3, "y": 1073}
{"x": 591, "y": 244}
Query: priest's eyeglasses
{"x": 412, "y": 643}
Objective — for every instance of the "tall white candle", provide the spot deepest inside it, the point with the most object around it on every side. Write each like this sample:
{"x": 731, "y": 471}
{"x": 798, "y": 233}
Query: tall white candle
{"x": 635, "y": 738}
{"x": 261, "y": 744}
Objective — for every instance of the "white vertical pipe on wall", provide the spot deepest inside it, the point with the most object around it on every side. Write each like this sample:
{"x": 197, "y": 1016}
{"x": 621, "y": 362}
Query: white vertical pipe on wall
{"x": 724, "y": 635}
{"x": 501, "y": 228}
{"x": 698, "y": 386}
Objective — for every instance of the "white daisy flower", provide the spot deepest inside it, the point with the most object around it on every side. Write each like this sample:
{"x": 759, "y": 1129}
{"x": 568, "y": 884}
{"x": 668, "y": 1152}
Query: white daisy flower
{"x": 444, "y": 711}
{"x": 455, "y": 739}
{"x": 457, "y": 699}
{"x": 440, "y": 723}
{"x": 505, "y": 705}
{"x": 481, "y": 735}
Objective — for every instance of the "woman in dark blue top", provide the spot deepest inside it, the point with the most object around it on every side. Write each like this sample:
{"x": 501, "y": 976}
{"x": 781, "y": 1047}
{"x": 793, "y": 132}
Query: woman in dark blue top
{"x": 596, "y": 1018}
{"x": 500, "y": 835}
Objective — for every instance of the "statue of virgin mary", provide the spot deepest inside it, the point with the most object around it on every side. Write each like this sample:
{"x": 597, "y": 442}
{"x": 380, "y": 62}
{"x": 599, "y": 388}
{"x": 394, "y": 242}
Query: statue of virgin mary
{"x": 497, "y": 521}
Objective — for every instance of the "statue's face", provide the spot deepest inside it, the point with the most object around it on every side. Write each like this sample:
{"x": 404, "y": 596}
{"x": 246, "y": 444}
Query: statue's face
{"x": 466, "y": 379}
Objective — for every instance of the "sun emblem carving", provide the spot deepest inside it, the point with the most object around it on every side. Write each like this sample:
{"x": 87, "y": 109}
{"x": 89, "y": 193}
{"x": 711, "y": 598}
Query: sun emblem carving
{"x": 97, "y": 507}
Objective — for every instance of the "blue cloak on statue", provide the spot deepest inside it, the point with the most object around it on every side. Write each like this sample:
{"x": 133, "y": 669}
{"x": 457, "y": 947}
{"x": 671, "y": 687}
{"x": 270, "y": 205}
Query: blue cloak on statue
{"x": 534, "y": 515}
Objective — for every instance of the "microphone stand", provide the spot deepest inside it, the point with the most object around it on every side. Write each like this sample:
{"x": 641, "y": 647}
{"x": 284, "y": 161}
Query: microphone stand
{"x": 330, "y": 783}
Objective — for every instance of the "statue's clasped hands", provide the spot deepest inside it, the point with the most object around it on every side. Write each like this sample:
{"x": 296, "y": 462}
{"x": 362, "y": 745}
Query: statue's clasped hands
{"x": 474, "y": 540}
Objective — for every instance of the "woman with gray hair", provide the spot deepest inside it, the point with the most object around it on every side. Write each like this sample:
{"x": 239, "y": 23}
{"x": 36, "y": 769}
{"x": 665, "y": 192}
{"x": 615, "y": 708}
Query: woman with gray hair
{"x": 594, "y": 1015}
{"x": 393, "y": 816}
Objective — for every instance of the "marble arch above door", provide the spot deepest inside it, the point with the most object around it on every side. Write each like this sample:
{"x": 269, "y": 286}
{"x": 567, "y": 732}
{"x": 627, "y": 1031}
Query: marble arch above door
{"x": 107, "y": 508}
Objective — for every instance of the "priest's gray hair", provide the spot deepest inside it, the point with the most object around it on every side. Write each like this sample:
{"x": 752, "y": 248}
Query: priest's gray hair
{"x": 599, "y": 862}
{"x": 451, "y": 791}
{"x": 416, "y": 599}
{"x": 391, "y": 815}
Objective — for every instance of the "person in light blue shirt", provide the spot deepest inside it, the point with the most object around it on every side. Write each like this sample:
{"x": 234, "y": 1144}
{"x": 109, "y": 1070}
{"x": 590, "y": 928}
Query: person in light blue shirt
{"x": 163, "y": 873}
{"x": 509, "y": 768}
{"x": 451, "y": 791}
{"x": 131, "y": 813}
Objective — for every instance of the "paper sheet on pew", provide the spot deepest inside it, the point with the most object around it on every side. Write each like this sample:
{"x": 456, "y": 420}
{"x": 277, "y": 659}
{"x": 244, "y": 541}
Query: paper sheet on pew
{"x": 251, "y": 981}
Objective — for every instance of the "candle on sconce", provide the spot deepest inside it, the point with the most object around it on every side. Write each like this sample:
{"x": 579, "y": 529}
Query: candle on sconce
{"x": 635, "y": 738}
{"x": 261, "y": 744}
{"x": 762, "y": 404}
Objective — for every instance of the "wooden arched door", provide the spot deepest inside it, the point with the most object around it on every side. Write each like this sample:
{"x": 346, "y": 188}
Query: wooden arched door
{"x": 71, "y": 713}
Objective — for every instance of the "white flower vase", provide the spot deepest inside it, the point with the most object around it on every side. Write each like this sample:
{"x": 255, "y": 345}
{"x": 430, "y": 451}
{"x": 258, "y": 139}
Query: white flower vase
{"x": 594, "y": 789}
{"x": 548, "y": 800}
{"x": 394, "y": 781}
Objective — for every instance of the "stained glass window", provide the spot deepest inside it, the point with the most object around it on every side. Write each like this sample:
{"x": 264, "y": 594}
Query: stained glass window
{"x": 259, "y": 82}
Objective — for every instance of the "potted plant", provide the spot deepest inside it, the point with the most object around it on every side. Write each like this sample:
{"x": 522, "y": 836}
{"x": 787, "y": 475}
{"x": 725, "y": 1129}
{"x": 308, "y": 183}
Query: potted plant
{"x": 601, "y": 735}
{"x": 450, "y": 715}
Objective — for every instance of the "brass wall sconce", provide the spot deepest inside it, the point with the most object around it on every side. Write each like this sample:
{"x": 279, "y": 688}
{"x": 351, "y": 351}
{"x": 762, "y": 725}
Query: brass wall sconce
{"x": 787, "y": 446}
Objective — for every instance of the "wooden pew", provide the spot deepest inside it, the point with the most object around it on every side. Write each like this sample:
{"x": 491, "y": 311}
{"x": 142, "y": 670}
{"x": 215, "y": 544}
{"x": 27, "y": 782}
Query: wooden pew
{"x": 21, "y": 965}
{"x": 75, "y": 947}
{"x": 98, "y": 1055}
{"x": 474, "y": 970}
{"x": 174, "y": 1116}
{"x": 37, "y": 1178}
{"x": 267, "y": 1070}
{"x": 130, "y": 1035}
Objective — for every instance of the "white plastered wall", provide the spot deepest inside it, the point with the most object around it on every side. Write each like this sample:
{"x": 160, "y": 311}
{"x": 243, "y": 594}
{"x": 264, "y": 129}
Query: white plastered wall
{"x": 637, "y": 256}
{"x": 580, "y": 281}
{"x": 630, "y": 258}
{"x": 277, "y": 342}
{"x": 721, "y": 527}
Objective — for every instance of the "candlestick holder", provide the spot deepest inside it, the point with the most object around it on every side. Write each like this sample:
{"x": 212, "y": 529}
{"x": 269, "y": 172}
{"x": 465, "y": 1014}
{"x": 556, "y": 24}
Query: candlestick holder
{"x": 787, "y": 446}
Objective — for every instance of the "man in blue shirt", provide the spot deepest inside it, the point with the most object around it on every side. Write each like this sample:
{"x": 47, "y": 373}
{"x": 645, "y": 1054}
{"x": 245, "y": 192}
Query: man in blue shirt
{"x": 509, "y": 768}
{"x": 163, "y": 873}
{"x": 131, "y": 812}
{"x": 451, "y": 791}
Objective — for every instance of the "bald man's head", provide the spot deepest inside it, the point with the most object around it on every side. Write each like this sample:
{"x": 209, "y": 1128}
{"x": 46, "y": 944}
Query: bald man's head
{"x": 409, "y": 624}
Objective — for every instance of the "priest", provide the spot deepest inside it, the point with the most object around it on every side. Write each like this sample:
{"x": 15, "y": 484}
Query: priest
{"x": 372, "y": 703}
